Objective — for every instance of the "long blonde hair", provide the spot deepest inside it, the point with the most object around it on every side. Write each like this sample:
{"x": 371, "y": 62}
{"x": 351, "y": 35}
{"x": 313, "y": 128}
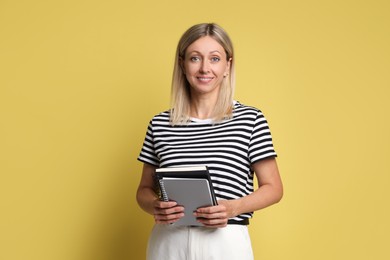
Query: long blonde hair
{"x": 180, "y": 92}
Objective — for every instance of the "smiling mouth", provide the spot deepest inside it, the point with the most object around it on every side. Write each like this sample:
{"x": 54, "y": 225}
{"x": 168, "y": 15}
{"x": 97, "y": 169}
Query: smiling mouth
{"x": 205, "y": 79}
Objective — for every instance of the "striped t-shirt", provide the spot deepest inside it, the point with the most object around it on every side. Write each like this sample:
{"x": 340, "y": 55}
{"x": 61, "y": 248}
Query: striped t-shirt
{"x": 227, "y": 148}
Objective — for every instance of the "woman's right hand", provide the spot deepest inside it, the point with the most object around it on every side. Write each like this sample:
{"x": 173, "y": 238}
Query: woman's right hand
{"x": 167, "y": 212}
{"x": 164, "y": 212}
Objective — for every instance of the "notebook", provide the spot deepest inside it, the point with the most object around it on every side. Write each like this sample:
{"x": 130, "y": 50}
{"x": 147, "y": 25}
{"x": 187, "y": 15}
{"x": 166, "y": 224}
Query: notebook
{"x": 190, "y": 187}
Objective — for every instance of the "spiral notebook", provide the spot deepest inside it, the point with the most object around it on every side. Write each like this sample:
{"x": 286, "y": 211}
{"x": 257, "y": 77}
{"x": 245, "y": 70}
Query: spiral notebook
{"x": 190, "y": 187}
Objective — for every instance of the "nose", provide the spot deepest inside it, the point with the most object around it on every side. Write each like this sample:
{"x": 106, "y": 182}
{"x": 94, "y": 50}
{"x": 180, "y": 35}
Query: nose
{"x": 205, "y": 67}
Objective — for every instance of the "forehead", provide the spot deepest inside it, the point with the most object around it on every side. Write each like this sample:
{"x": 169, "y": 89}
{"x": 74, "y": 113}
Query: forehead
{"x": 205, "y": 45}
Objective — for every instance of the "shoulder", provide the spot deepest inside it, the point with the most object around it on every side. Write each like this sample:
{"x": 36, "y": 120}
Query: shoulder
{"x": 161, "y": 117}
{"x": 242, "y": 109}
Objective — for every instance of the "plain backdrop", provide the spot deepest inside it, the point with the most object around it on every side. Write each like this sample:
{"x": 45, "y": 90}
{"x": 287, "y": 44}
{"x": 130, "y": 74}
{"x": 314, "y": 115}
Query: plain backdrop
{"x": 80, "y": 80}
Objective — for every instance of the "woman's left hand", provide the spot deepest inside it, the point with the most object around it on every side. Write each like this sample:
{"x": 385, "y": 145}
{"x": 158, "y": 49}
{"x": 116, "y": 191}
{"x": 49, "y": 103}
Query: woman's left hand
{"x": 216, "y": 216}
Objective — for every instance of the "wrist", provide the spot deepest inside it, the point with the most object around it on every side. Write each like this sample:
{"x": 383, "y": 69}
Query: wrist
{"x": 236, "y": 207}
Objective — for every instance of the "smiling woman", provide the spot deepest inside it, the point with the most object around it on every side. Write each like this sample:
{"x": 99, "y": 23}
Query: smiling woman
{"x": 205, "y": 65}
{"x": 206, "y": 47}
{"x": 205, "y": 126}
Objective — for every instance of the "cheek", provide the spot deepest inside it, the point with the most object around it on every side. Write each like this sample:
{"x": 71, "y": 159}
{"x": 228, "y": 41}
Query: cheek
{"x": 191, "y": 71}
{"x": 189, "y": 74}
{"x": 222, "y": 71}
{"x": 188, "y": 77}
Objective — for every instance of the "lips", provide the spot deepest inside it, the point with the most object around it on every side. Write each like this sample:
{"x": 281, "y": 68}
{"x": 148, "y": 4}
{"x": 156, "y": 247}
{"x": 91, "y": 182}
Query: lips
{"x": 205, "y": 79}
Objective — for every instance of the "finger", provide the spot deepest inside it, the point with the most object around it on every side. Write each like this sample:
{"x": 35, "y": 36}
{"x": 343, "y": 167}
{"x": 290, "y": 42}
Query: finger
{"x": 168, "y": 215}
{"x": 212, "y": 209}
{"x": 213, "y": 223}
{"x": 165, "y": 219}
{"x": 164, "y": 204}
{"x": 216, "y": 215}
{"x": 167, "y": 211}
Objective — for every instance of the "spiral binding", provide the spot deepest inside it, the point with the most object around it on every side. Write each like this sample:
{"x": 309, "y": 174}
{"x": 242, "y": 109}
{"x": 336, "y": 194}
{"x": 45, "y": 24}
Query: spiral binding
{"x": 163, "y": 191}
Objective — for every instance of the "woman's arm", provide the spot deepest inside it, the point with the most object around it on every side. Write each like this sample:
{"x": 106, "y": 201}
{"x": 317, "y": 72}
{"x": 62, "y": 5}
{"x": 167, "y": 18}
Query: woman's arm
{"x": 163, "y": 212}
{"x": 270, "y": 191}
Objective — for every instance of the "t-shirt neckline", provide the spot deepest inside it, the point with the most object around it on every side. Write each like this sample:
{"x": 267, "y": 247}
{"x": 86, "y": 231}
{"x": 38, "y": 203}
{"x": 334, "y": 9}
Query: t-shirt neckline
{"x": 207, "y": 120}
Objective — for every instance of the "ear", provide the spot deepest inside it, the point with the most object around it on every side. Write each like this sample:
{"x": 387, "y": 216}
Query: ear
{"x": 229, "y": 62}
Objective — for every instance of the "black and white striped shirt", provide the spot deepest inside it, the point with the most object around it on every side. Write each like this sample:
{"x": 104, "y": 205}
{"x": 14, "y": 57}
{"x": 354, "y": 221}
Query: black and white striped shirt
{"x": 227, "y": 148}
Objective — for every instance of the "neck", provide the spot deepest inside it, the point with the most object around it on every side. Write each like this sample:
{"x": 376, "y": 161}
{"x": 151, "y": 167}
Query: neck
{"x": 202, "y": 107}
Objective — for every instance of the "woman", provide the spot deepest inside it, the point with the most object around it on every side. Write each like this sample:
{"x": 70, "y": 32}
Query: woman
{"x": 205, "y": 126}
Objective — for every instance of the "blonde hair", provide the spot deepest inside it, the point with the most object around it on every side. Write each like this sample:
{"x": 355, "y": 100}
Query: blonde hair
{"x": 180, "y": 92}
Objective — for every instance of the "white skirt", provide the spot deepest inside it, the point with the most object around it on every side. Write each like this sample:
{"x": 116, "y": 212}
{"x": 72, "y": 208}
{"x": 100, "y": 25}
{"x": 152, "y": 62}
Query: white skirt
{"x": 168, "y": 242}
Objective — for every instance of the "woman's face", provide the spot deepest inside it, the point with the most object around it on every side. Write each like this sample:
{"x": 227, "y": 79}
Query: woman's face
{"x": 205, "y": 66}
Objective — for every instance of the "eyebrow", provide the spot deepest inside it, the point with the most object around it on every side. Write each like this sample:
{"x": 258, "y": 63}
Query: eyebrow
{"x": 209, "y": 52}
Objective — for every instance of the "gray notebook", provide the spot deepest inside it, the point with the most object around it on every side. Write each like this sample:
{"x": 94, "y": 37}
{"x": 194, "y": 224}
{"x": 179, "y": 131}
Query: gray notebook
{"x": 190, "y": 189}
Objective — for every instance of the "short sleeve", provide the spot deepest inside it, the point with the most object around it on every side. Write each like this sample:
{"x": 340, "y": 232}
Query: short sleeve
{"x": 148, "y": 152}
{"x": 261, "y": 145}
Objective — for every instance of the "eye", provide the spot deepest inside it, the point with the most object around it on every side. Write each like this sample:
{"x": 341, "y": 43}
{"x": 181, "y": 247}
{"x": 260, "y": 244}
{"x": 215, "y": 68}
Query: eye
{"x": 194, "y": 59}
{"x": 215, "y": 59}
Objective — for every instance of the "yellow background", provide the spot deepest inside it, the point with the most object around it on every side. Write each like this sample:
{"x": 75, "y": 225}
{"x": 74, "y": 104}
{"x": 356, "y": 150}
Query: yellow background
{"x": 79, "y": 81}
